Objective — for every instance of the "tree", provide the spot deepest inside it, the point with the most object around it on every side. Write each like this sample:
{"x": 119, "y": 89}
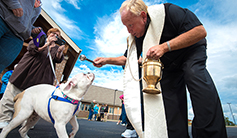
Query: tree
{"x": 228, "y": 122}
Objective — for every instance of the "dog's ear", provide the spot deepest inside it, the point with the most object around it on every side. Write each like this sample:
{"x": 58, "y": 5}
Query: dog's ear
{"x": 72, "y": 83}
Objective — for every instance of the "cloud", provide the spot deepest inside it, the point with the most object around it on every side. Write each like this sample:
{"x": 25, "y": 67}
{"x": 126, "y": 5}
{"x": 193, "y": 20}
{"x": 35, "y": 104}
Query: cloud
{"x": 190, "y": 113}
{"x": 58, "y": 14}
{"x": 109, "y": 79}
{"x": 110, "y": 41}
{"x": 230, "y": 82}
{"x": 153, "y": 2}
{"x": 78, "y": 69}
{"x": 222, "y": 48}
{"x": 227, "y": 108}
{"x": 110, "y": 35}
{"x": 74, "y": 3}
{"x": 220, "y": 22}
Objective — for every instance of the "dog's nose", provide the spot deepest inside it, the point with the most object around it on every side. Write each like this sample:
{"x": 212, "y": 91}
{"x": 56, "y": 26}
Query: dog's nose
{"x": 91, "y": 75}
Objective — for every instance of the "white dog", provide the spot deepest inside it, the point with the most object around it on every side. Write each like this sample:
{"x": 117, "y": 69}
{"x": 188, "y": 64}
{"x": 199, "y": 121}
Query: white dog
{"x": 37, "y": 102}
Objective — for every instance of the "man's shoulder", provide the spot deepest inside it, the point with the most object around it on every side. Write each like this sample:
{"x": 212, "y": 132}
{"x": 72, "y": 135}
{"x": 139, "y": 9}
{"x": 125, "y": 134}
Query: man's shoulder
{"x": 156, "y": 5}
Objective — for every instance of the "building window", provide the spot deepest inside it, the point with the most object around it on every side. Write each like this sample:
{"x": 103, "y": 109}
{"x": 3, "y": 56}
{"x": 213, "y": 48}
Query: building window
{"x": 87, "y": 107}
{"x": 111, "y": 110}
{"x": 82, "y": 107}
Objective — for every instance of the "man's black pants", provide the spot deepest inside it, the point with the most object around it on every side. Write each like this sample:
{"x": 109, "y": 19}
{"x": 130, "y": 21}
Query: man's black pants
{"x": 189, "y": 72}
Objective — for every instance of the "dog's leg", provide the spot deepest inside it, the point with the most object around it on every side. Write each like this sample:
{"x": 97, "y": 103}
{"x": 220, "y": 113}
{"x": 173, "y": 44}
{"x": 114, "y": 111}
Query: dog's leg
{"x": 31, "y": 121}
{"x": 75, "y": 126}
{"x": 61, "y": 130}
{"x": 22, "y": 116}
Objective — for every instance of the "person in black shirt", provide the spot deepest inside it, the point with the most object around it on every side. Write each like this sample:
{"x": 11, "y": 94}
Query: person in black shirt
{"x": 182, "y": 50}
{"x": 106, "y": 112}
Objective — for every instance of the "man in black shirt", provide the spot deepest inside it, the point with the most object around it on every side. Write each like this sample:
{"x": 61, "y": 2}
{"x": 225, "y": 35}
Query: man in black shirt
{"x": 182, "y": 50}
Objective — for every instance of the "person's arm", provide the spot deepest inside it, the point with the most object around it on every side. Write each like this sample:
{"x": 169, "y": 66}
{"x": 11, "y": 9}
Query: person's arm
{"x": 36, "y": 14}
{"x": 15, "y": 6}
{"x": 43, "y": 47}
{"x": 100, "y": 61}
{"x": 12, "y": 4}
{"x": 187, "y": 39}
{"x": 32, "y": 48}
{"x": 49, "y": 41}
{"x": 60, "y": 51}
{"x": 188, "y": 28}
{"x": 121, "y": 96}
{"x": 6, "y": 77}
{"x": 182, "y": 41}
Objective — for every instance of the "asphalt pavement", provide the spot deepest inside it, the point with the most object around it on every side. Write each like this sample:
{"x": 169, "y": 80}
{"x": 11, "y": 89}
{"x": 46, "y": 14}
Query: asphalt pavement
{"x": 87, "y": 129}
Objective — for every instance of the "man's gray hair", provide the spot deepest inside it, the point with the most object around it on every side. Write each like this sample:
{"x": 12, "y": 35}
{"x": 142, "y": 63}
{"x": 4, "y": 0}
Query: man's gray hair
{"x": 134, "y": 6}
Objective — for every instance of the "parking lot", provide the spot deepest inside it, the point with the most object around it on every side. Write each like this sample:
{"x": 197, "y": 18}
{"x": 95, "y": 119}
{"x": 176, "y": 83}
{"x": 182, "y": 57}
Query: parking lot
{"x": 88, "y": 129}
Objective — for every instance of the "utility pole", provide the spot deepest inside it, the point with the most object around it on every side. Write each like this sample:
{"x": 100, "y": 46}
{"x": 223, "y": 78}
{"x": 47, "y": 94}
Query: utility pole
{"x": 114, "y": 102}
{"x": 231, "y": 112}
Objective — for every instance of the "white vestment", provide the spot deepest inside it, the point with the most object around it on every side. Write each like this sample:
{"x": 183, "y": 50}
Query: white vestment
{"x": 154, "y": 113}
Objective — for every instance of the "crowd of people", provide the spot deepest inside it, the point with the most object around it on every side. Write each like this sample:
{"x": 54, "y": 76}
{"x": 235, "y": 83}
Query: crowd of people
{"x": 101, "y": 114}
{"x": 97, "y": 113}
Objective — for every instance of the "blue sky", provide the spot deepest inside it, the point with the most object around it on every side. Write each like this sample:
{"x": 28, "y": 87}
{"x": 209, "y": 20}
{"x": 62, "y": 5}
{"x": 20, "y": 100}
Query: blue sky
{"x": 95, "y": 26}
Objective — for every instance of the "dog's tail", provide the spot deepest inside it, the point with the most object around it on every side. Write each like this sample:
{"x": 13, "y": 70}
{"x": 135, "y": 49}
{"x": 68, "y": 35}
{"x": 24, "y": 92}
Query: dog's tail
{"x": 17, "y": 107}
{"x": 18, "y": 96}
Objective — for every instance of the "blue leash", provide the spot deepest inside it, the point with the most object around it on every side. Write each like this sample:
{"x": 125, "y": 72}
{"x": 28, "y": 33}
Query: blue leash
{"x": 60, "y": 99}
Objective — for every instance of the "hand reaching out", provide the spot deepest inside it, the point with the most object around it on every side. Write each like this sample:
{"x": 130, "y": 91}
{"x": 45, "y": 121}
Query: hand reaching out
{"x": 99, "y": 62}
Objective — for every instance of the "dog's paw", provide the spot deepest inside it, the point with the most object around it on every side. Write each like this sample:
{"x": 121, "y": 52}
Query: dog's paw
{"x": 71, "y": 135}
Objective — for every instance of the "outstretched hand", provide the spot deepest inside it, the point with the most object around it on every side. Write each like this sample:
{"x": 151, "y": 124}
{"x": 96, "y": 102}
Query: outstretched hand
{"x": 99, "y": 62}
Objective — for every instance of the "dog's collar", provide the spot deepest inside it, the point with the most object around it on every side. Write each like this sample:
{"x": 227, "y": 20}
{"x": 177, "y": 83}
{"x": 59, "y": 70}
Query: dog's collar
{"x": 65, "y": 97}
{"x": 70, "y": 99}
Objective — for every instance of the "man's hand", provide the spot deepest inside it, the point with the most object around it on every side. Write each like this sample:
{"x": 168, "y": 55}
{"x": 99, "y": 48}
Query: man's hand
{"x": 140, "y": 60}
{"x": 156, "y": 52}
{"x": 99, "y": 62}
{"x": 182, "y": 41}
{"x": 18, "y": 12}
{"x": 36, "y": 30}
{"x": 61, "y": 48}
{"x": 60, "y": 51}
{"x": 51, "y": 38}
